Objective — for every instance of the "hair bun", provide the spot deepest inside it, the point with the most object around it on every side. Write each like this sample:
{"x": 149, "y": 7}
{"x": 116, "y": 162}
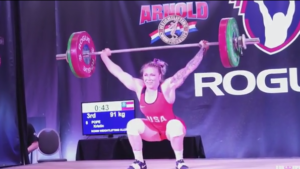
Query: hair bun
{"x": 162, "y": 64}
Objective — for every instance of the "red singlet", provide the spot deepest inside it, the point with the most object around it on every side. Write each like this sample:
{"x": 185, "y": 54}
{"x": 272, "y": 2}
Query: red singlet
{"x": 158, "y": 113}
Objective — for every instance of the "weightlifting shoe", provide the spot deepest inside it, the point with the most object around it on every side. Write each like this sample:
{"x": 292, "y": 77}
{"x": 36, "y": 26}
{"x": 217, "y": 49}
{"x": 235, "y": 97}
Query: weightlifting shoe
{"x": 138, "y": 165}
{"x": 181, "y": 165}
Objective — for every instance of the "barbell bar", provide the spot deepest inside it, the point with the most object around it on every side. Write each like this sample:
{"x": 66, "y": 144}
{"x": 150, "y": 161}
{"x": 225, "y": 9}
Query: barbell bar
{"x": 247, "y": 42}
{"x": 81, "y": 54}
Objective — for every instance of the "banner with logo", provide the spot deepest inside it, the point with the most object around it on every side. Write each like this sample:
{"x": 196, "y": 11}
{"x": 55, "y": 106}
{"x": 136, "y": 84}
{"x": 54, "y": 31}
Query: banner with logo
{"x": 246, "y": 111}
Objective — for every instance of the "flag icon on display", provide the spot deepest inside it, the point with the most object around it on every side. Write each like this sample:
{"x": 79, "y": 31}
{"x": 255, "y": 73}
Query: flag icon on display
{"x": 128, "y": 105}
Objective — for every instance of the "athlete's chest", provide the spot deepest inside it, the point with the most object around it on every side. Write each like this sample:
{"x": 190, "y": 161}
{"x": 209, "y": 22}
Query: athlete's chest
{"x": 156, "y": 107}
{"x": 158, "y": 112}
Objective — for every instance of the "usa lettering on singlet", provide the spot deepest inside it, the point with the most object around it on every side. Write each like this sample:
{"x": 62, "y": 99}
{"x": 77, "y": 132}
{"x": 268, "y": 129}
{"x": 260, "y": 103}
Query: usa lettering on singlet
{"x": 157, "y": 119}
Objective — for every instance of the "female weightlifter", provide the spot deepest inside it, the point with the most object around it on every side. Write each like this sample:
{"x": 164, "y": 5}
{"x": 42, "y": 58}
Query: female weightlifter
{"x": 156, "y": 98}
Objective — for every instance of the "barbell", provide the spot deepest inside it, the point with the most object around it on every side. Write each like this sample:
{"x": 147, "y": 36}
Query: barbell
{"x": 81, "y": 54}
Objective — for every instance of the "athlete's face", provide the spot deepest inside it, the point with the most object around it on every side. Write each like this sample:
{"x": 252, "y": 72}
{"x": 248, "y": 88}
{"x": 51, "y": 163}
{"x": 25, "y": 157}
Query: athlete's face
{"x": 151, "y": 77}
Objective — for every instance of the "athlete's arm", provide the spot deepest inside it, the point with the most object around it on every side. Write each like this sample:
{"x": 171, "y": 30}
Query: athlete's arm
{"x": 130, "y": 82}
{"x": 179, "y": 77}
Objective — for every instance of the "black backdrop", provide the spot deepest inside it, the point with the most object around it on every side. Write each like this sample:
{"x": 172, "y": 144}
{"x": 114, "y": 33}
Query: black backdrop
{"x": 12, "y": 105}
{"x": 256, "y": 124}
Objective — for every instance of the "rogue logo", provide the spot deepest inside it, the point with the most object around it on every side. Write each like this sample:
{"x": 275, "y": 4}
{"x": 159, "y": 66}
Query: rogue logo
{"x": 276, "y": 23}
{"x": 157, "y": 12}
{"x": 252, "y": 82}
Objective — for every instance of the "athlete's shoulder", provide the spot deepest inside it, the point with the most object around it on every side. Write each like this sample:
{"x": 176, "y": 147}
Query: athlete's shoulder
{"x": 166, "y": 82}
{"x": 139, "y": 84}
{"x": 139, "y": 81}
{"x": 166, "y": 85}
{"x": 140, "y": 89}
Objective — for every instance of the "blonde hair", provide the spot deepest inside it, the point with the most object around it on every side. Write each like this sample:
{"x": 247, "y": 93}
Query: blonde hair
{"x": 156, "y": 63}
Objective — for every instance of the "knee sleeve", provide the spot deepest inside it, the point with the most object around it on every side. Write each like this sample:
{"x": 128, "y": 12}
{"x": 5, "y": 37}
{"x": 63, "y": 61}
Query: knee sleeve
{"x": 135, "y": 127}
{"x": 175, "y": 128}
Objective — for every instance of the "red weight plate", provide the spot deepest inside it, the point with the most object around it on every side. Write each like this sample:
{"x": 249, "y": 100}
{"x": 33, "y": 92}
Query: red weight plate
{"x": 223, "y": 42}
{"x": 81, "y": 44}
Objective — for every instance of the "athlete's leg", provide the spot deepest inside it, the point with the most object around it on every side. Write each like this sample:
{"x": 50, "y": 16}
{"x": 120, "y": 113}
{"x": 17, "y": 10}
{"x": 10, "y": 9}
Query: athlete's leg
{"x": 138, "y": 129}
{"x": 175, "y": 133}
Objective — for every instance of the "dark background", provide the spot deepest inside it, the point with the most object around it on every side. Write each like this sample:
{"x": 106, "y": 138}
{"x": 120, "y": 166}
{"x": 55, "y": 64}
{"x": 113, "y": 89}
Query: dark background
{"x": 12, "y": 104}
{"x": 254, "y": 125}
